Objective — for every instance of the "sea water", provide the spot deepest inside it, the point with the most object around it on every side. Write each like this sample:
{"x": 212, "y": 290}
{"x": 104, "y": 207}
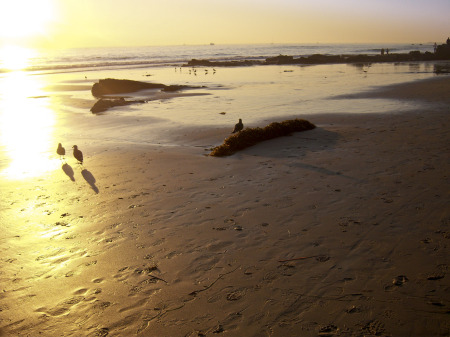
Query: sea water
{"x": 85, "y": 59}
{"x": 49, "y": 100}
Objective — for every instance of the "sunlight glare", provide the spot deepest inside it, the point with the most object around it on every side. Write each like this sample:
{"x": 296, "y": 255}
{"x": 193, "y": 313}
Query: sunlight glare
{"x": 26, "y": 127}
{"x": 15, "y": 57}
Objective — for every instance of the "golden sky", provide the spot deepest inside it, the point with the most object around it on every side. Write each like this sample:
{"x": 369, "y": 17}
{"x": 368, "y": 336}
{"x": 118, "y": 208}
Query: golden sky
{"x": 98, "y": 23}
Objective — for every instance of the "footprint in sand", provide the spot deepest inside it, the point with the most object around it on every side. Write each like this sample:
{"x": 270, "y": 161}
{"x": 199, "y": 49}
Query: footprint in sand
{"x": 270, "y": 277}
{"x": 353, "y": 309}
{"x": 374, "y": 328}
{"x": 63, "y": 307}
{"x": 102, "y": 332}
{"x": 236, "y": 295}
{"x": 80, "y": 291}
{"x": 399, "y": 280}
{"x": 287, "y": 269}
{"x": 396, "y": 282}
{"x": 101, "y": 305}
{"x": 328, "y": 330}
{"x": 250, "y": 270}
{"x": 436, "y": 276}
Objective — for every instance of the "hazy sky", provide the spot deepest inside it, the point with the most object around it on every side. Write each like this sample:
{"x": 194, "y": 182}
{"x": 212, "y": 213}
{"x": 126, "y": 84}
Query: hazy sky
{"x": 91, "y": 23}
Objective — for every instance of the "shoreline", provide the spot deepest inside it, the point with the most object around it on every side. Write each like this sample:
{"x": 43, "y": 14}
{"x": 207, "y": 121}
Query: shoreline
{"x": 437, "y": 91}
{"x": 163, "y": 241}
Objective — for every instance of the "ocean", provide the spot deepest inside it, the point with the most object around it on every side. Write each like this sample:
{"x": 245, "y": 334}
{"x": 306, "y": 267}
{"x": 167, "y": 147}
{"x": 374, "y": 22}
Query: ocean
{"x": 46, "y": 97}
{"x": 85, "y": 59}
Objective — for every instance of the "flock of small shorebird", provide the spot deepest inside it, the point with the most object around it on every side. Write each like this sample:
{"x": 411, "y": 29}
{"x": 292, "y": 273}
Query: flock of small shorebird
{"x": 194, "y": 71}
{"x": 78, "y": 155}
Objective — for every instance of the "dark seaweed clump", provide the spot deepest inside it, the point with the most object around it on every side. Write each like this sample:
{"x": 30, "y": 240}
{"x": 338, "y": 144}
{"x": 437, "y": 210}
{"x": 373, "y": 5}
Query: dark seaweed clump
{"x": 251, "y": 136}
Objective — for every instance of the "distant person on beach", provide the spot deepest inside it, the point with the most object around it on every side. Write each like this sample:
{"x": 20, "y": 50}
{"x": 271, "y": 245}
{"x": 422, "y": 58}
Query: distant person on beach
{"x": 387, "y": 51}
{"x": 435, "y": 47}
{"x": 382, "y": 51}
{"x": 448, "y": 40}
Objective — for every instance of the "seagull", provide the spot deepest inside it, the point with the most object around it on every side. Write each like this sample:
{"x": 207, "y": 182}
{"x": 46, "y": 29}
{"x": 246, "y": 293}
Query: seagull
{"x": 238, "y": 127}
{"x": 77, "y": 154}
{"x": 61, "y": 151}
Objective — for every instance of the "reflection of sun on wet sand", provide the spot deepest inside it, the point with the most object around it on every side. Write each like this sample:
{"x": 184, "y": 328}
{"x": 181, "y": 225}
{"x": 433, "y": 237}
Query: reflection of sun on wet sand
{"x": 342, "y": 229}
{"x": 26, "y": 127}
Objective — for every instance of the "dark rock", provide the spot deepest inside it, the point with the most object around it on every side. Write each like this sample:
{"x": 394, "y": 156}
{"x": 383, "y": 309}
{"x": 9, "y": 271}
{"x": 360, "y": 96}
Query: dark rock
{"x": 443, "y": 51}
{"x": 171, "y": 88}
{"x": 110, "y": 86}
{"x": 195, "y": 62}
{"x": 415, "y": 55}
{"x": 104, "y": 104}
{"x": 319, "y": 59}
{"x": 280, "y": 59}
{"x": 207, "y": 63}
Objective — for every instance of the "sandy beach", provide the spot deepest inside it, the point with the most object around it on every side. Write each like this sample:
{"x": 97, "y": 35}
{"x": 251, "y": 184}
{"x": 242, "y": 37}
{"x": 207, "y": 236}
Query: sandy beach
{"x": 339, "y": 231}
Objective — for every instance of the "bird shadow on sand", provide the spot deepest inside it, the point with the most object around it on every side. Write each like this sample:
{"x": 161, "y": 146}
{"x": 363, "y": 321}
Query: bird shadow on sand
{"x": 88, "y": 176}
{"x": 68, "y": 170}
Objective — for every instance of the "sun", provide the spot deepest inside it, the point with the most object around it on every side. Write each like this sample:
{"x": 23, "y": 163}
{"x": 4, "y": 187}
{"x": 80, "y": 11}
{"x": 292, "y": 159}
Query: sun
{"x": 15, "y": 57}
{"x": 21, "y": 19}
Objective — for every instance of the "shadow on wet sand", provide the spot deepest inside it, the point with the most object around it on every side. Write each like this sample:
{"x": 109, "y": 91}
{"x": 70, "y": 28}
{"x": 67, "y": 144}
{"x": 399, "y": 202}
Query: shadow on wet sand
{"x": 68, "y": 170}
{"x": 89, "y": 177}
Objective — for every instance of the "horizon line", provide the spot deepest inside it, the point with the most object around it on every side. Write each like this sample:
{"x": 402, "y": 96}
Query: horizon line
{"x": 213, "y": 44}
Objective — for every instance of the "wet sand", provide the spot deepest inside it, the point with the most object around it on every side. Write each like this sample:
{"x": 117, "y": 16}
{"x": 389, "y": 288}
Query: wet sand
{"x": 341, "y": 230}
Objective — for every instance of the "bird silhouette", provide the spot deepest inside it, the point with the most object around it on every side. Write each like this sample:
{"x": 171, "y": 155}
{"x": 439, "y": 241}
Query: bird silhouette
{"x": 238, "y": 127}
{"x": 61, "y": 151}
{"x": 78, "y": 154}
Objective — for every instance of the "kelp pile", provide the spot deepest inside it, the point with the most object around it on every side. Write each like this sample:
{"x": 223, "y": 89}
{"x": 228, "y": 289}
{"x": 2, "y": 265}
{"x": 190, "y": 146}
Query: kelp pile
{"x": 251, "y": 136}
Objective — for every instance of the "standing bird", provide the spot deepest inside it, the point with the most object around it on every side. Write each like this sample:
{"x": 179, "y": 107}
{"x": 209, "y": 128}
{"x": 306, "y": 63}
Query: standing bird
{"x": 78, "y": 154}
{"x": 61, "y": 151}
{"x": 238, "y": 127}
